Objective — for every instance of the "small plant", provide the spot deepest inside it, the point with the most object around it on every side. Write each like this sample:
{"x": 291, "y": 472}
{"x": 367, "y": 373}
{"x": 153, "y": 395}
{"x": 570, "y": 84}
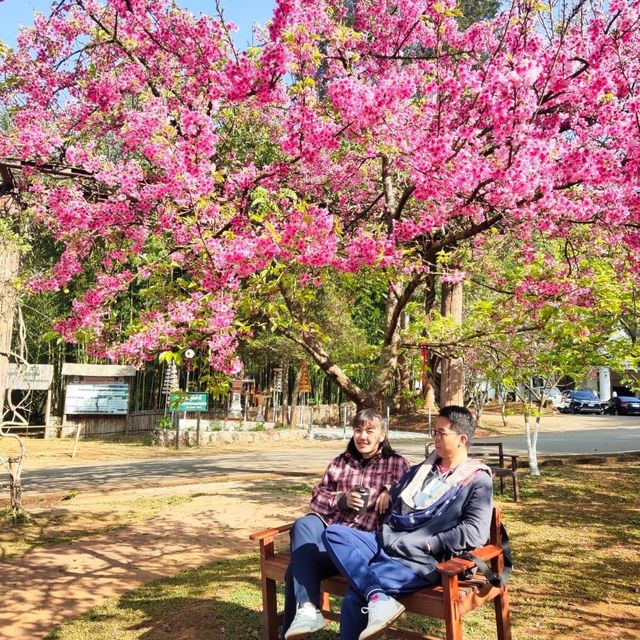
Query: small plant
{"x": 165, "y": 423}
{"x": 70, "y": 495}
{"x": 17, "y": 520}
{"x": 215, "y": 426}
{"x": 259, "y": 427}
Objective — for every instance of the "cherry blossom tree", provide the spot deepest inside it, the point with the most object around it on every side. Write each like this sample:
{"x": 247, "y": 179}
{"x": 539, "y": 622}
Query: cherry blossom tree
{"x": 222, "y": 188}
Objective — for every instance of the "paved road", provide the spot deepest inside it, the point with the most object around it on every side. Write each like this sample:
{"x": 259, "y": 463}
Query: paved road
{"x": 108, "y": 476}
{"x": 603, "y": 440}
{"x": 608, "y": 435}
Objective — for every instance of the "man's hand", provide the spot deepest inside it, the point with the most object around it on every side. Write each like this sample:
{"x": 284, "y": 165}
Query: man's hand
{"x": 383, "y": 502}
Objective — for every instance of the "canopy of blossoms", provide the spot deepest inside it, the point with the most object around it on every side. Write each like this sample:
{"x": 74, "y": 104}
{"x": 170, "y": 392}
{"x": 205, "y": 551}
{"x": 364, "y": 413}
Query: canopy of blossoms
{"x": 372, "y": 134}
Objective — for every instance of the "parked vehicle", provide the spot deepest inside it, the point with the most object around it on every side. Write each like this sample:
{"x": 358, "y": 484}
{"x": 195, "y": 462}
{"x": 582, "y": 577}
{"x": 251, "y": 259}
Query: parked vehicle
{"x": 622, "y": 391}
{"x": 623, "y": 405}
{"x": 581, "y": 401}
{"x": 554, "y": 398}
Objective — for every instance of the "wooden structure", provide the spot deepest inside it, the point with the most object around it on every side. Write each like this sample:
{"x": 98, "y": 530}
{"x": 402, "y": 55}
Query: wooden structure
{"x": 106, "y": 417}
{"x": 502, "y": 465}
{"x": 450, "y": 601}
{"x": 32, "y": 377}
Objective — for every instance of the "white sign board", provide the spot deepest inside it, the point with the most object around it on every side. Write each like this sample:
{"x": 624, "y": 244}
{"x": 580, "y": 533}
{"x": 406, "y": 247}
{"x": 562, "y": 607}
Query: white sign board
{"x": 34, "y": 377}
{"x": 97, "y": 398}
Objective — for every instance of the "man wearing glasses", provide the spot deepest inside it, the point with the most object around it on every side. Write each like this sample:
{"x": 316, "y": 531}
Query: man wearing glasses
{"x": 441, "y": 508}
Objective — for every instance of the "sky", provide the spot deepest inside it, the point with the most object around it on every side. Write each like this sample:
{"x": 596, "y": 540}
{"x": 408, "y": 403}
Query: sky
{"x": 244, "y": 13}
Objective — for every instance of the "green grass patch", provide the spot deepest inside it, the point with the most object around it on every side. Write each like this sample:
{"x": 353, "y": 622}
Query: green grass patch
{"x": 298, "y": 489}
{"x": 575, "y": 537}
{"x": 64, "y": 524}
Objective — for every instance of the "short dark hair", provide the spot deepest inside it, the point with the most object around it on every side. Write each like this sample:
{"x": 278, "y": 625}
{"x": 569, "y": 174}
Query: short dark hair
{"x": 461, "y": 419}
{"x": 372, "y": 417}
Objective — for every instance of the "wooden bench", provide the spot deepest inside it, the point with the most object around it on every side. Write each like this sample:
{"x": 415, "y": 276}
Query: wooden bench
{"x": 450, "y": 601}
{"x": 492, "y": 454}
{"x": 502, "y": 465}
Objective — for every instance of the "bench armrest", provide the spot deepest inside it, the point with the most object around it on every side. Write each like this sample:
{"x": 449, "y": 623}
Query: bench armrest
{"x": 456, "y": 566}
{"x": 267, "y": 534}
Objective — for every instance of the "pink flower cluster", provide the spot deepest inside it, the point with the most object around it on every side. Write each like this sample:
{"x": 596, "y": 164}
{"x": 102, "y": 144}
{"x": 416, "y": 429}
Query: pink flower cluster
{"x": 372, "y": 136}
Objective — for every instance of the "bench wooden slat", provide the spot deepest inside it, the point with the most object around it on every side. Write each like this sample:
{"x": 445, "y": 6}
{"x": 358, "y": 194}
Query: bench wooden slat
{"x": 270, "y": 533}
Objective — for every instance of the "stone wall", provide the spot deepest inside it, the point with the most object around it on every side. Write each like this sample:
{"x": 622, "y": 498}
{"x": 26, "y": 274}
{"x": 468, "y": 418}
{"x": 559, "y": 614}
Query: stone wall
{"x": 167, "y": 437}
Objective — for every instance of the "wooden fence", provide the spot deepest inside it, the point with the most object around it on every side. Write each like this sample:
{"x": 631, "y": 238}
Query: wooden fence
{"x": 135, "y": 424}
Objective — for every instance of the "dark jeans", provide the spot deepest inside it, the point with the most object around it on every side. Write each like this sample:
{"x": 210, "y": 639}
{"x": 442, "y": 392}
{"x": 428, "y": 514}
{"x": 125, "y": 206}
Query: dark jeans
{"x": 310, "y": 564}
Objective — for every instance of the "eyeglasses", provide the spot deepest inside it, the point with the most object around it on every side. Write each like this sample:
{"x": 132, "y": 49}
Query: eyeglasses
{"x": 436, "y": 434}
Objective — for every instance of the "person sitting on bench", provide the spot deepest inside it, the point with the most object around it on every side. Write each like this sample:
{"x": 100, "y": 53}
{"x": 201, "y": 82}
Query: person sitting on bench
{"x": 440, "y": 509}
{"x": 369, "y": 462}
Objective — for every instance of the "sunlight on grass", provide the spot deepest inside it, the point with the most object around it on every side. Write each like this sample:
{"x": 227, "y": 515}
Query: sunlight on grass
{"x": 48, "y": 527}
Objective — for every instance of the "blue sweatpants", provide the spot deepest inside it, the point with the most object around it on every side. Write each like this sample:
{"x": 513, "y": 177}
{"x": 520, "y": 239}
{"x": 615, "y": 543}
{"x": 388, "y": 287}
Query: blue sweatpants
{"x": 310, "y": 564}
{"x": 369, "y": 570}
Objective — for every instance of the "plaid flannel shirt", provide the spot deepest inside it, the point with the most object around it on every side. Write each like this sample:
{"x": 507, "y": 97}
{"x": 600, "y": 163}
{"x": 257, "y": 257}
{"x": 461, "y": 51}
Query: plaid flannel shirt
{"x": 342, "y": 475}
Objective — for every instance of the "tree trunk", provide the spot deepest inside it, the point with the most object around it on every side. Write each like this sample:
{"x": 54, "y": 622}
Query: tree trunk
{"x": 532, "y": 442}
{"x": 479, "y": 400}
{"x": 398, "y": 296}
{"x": 15, "y": 487}
{"x": 9, "y": 258}
{"x": 405, "y": 400}
{"x": 452, "y": 379}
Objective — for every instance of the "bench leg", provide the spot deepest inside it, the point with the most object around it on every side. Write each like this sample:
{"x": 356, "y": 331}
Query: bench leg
{"x": 503, "y": 617}
{"x": 269, "y": 609}
{"x": 325, "y": 604}
{"x": 452, "y": 619}
{"x": 516, "y": 489}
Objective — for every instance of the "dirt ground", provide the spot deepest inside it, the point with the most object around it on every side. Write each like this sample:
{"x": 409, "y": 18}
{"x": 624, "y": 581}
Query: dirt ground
{"x": 107, "y": 552}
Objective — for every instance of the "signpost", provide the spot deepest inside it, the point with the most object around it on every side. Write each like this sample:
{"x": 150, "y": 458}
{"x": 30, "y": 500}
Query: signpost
{"x": 32, "y": 377}
{"x": 304, "y": 387}
{"x": 277, "y": 390}
{"x": 192, "y": 401}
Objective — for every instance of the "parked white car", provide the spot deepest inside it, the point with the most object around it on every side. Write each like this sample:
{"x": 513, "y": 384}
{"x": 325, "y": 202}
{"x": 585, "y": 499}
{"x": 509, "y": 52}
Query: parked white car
{"x": 554, "y": 398}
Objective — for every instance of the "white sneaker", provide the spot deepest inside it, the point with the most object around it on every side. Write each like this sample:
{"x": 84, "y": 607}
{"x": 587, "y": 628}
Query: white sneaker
{"x": 307, "y": 620}
{"x": 382, "y": 613}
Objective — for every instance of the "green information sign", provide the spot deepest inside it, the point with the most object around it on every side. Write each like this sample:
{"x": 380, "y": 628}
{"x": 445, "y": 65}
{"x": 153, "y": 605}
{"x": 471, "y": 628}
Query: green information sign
{"x": 190, "y": 402}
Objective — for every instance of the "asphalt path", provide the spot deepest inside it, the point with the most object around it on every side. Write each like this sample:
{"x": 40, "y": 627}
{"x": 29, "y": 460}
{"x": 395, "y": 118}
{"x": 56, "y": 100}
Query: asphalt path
{"x": 600, "y": 434}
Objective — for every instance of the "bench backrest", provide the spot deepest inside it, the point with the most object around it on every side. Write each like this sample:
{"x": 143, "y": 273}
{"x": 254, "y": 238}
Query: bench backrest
{"x": 480, "y": 450}
{"x": 490, "y": 452}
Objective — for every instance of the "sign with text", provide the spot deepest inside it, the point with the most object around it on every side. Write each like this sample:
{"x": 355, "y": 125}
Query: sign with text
{"x": 190, "y": 402}
{"x": 29, "y": 377}
{"x": 97, "y": 398}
